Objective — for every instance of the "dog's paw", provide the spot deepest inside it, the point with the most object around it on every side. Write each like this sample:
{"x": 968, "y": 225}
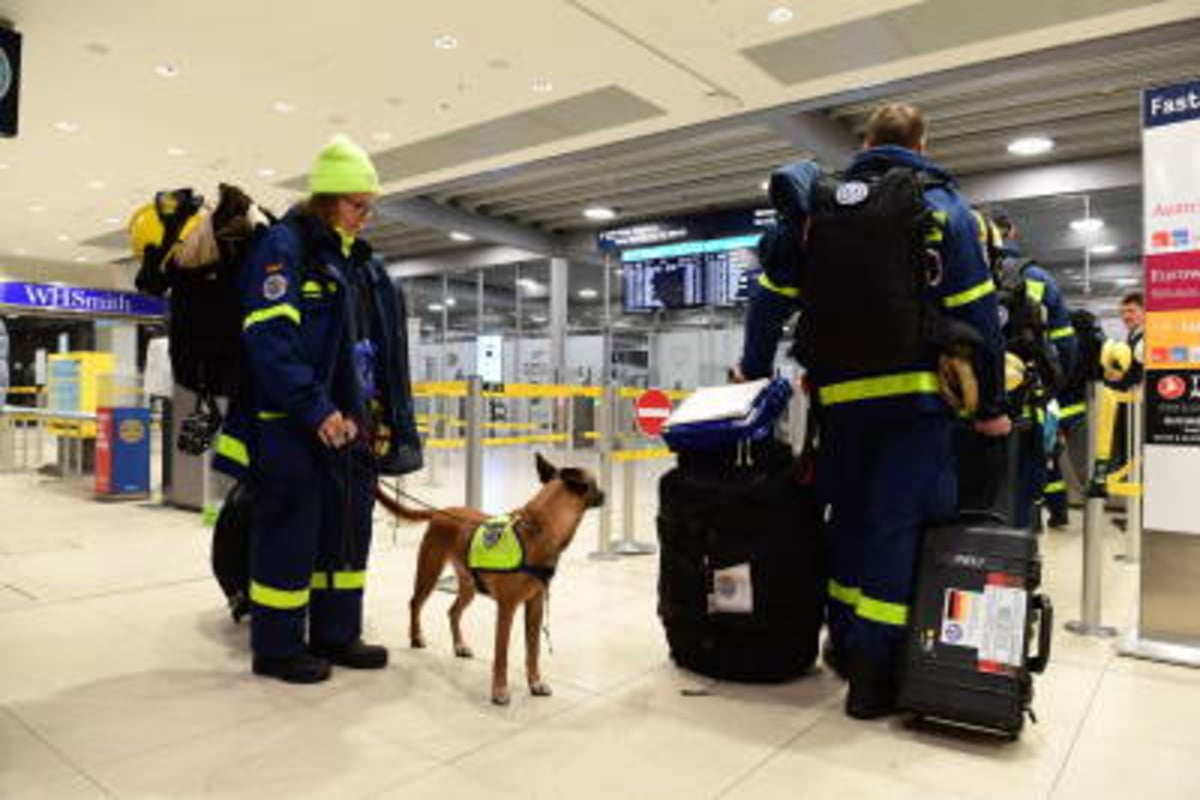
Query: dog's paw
{"x": 417, "y": 642}
{"x": 462, "y": 651}
{"x": 540, "y": 689}
{"x": 501, "y": 698}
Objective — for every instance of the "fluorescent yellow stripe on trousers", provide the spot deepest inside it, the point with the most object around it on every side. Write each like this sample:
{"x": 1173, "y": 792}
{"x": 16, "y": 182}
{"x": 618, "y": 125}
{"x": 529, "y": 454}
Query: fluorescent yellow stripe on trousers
{"x": 884, "y": 613}
{"x": 279, "y": 599}
{"x": 844, "y": 594}
{"x": 341, "y": 580}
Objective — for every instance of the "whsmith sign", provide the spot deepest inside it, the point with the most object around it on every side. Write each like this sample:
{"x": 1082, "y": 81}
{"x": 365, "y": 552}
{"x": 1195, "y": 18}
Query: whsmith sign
{"x": 56, "y": 299}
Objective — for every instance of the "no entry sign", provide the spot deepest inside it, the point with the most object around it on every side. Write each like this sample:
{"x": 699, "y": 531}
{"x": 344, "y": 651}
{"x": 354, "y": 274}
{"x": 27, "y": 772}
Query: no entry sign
{"x": 652, "y": 410}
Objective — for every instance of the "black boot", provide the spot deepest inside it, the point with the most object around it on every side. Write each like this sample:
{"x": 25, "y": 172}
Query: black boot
{"x": 834, "y": 659}
{"x": 872, "y": 689}
{"x": 356, "y": 655}
{"x": 1058, "y": 521}
{"x": 302, "y": 668}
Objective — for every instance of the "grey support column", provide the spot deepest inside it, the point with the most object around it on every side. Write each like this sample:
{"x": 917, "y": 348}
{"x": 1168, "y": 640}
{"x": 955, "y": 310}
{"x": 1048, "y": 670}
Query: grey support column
{"x": 558, "y": 319}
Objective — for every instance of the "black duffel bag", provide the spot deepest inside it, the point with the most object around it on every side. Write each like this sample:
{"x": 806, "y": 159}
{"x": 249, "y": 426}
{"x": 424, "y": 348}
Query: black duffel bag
{"x": 741, "y": 594}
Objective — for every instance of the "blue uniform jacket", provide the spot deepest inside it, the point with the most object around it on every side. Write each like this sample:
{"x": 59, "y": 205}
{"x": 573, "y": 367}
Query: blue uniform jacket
{"x": 966, "y": 291}
{"x": 297, "y": 292}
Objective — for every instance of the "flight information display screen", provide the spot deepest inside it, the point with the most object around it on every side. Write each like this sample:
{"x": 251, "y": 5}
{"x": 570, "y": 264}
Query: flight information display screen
{"x": 689, "y": 274}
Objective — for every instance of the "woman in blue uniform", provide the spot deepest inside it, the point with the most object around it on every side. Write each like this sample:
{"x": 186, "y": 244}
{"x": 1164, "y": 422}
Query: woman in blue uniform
{"x": 331, "y": 409}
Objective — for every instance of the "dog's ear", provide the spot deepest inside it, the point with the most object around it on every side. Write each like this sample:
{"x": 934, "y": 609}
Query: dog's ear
{"x": 546, "y": 471}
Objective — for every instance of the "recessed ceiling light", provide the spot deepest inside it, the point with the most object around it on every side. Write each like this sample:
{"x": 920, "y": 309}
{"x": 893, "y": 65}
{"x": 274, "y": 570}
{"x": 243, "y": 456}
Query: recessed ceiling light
{"x": 599, "y": 213}
{"x": 264, "y": 172}
{"x": 96, "y": 183}
{"x": 764, "y": 185}
{"x": 445, "y": 42}
{"x": 382, "y": 136}
{"x": 780, "y": 15}
{"x": 62, "y": 237}
{"x": 283, "y": 107}
{"x": 588, "y": 294}
{"x": 37, "y": 208}
{"x": 112, "y": 220}
{"x": 67, "y": 126}
{"x": 3, "y": 165}
{"x": 1103, "y": 249}
{"x": 436, "y": 307}
{"x": 542, "y": 86}
{"x": 459, "y": 236}
{"x": 21, "y": 251}
{"x": 176, "y": 151}
{"x": 450, "y": 302}
{"x": 537, "y": 319}
{"x": 1087, "y": 225}
{"x": 166, "y": 71}
{"x": 81, "y": 259}
{"x": 1031, "y": 146}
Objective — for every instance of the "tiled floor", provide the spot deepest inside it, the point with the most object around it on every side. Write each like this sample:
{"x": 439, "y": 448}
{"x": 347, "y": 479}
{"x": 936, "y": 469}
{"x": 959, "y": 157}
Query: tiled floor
{"x": 121, "y": 675}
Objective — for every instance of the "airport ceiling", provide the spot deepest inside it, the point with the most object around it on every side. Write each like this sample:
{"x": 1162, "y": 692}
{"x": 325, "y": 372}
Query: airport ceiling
{"x": 506, "y": 119}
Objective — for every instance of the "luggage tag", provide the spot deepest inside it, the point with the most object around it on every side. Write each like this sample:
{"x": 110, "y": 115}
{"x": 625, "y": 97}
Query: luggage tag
{"x": 732, "y": 591}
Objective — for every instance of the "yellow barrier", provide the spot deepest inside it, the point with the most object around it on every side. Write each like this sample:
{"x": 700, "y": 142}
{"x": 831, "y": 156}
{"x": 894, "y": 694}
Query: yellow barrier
{"x": 25, "y": 390}
{"x": 497, "y": 441}
{"x": 641, "y": 455}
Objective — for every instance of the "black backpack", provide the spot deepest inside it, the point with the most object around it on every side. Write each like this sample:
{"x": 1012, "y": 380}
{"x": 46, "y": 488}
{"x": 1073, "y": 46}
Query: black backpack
{"x": 1089, "y": 337}
{"x": 1023, "y": 321}
{"x": 205, "y": 317}
{"x": 867, "y": 271}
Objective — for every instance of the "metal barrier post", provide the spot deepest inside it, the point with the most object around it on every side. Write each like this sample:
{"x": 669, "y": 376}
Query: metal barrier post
{"x": 474, "y": 443}
{"x": 433, "y": 422}
{"x": 628, "y": 546}
{"x": 607, "y": 430}
{"x": 1133, "y": 501}
{"x": 1093, "y": 538}
{"x": 570, "y": 423}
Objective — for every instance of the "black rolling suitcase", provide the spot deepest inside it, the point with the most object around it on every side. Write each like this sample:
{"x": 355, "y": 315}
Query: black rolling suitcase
{"x": 976, "y": 612}
{"x": 740, "y": 592}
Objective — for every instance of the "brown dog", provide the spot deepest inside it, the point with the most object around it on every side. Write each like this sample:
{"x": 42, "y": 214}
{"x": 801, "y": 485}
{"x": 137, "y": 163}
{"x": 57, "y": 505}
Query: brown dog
{"x": 544, "y": 527}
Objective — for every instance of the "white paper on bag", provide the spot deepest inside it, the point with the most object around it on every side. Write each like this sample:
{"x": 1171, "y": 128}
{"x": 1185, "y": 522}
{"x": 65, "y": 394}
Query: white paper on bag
{"x": 710, "y": 403}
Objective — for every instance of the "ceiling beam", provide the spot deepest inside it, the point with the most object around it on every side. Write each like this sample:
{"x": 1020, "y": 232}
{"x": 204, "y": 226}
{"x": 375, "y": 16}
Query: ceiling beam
{"x": 816, "y": 132}
{"x": 1072, "y": 177}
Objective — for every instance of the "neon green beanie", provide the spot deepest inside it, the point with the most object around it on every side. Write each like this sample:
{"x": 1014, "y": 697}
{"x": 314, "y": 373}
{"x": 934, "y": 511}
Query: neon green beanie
{"x": 342, "y": 167}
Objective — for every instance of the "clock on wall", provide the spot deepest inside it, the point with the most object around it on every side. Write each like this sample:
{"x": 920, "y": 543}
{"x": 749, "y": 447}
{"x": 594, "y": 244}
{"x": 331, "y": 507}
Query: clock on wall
{"x": 10, "y": 80}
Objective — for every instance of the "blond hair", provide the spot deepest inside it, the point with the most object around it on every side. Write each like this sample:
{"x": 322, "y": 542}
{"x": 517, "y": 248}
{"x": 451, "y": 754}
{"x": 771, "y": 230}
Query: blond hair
{"x": 900, "y": 124}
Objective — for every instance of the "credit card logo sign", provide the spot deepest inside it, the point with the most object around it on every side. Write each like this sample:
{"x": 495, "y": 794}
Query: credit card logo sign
{"x": 1180, "y": 237}
{"x": 1171, "y": 387}
{"x": 1160, "y": 240}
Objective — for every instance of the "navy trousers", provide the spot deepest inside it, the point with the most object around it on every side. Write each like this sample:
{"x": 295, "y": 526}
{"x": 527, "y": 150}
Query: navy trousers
{"x": 884, "y": 483}
{"x": 311, "y": 540}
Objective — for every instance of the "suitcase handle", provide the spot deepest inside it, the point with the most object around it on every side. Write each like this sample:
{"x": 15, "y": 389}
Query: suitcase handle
{"x": 1045, "y": 609}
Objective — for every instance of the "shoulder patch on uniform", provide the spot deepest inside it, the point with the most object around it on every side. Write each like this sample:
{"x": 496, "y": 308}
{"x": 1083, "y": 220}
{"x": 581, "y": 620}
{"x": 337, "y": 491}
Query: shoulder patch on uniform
{"x": 276, "y": 267}
{"x": 275, "y": 287}
{"x": 851, "y": 193}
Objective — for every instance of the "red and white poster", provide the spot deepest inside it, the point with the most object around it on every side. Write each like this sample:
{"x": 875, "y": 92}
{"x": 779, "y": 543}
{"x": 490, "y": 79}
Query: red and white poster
{"x": 1171, "y": 157}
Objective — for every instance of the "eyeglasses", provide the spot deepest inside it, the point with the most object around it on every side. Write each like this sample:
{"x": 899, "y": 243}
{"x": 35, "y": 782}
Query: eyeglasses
{"x": 364, "y": 208}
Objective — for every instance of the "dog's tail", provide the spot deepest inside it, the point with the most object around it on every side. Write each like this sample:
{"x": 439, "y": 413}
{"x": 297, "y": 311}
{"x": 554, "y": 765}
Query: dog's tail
{"x": 398, "y": 509}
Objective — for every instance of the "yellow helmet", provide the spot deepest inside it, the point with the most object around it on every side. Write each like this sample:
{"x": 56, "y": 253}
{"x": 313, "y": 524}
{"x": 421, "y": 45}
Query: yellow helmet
{"x": 1014, "y": 371}
{"x": 145, "y": 228}
{"x": 1115, "y": 356}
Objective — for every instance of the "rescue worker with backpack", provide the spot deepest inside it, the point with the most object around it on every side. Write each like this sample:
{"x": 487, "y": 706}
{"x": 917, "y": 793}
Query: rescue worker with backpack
{"x": 898, "y": 315}
{"x": 327, "y": 407}
{"x": 1038, "y": 330}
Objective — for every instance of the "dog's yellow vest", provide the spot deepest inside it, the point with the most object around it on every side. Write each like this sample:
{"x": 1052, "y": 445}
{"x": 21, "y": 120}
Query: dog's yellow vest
{"x": 495, "y": 546}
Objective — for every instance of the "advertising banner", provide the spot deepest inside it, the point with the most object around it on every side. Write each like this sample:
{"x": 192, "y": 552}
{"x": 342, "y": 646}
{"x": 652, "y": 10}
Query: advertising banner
{"x": 1171, "y": 155}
